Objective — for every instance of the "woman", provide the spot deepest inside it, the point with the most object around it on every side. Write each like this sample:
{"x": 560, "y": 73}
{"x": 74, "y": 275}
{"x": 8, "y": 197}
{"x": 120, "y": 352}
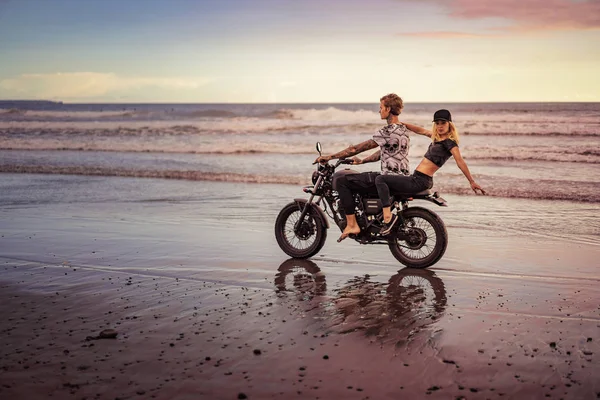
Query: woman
{"x": 444, "y": 144}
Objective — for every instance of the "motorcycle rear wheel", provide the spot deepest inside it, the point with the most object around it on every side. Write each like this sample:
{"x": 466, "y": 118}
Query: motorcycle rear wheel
{"x": 426, "y": 239}
{"x": 303, "y": 241}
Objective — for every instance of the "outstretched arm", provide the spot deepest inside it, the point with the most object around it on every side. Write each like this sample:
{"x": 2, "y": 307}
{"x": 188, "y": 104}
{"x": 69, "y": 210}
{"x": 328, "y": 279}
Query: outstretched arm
{"x": 417, "y": 129}
{"x": 350, "y": 151}
{"x": 372, "y": 158}
{"x": 465, "y": 170}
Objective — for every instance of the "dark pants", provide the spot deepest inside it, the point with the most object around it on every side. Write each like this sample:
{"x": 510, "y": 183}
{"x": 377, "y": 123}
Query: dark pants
{"x": 354, "y": 183}
{"x": 403, "y": 184}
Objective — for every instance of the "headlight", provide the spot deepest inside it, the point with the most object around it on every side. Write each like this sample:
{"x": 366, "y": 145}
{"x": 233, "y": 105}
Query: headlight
{"x": 315, "y": 177}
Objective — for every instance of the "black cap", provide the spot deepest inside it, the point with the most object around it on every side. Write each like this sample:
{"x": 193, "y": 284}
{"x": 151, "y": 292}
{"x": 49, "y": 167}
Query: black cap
{"x": 442, "y": 114}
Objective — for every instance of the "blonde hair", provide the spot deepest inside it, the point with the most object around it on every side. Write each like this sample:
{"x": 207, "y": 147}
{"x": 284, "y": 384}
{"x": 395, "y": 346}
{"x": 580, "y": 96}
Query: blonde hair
{"x": 453, "y": 135}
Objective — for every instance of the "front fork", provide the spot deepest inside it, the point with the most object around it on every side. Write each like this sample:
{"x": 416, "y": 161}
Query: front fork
{"x": 308, "y": 203}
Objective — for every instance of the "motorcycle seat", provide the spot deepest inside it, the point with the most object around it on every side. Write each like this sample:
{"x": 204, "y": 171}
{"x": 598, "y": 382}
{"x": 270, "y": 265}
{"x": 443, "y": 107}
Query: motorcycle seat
{"x": 425, "y": 192}
{"x": 420, "y": 195}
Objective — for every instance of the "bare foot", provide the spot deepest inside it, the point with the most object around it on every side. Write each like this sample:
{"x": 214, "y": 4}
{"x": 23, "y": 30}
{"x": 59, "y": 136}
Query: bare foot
{"x": 349, "y": 231}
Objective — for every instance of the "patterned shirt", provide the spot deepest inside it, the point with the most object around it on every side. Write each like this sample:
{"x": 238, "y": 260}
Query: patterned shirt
{"x": 394, "y": 142}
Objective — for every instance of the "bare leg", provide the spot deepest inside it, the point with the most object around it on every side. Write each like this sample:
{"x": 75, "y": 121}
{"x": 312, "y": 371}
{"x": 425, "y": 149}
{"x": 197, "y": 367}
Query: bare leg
{"x": 387, "y": 214}
{"x": 351, "y": 227}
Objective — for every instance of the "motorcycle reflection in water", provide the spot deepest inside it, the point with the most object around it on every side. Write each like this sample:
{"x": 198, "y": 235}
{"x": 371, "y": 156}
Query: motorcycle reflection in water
{"x": 392, "y": 311}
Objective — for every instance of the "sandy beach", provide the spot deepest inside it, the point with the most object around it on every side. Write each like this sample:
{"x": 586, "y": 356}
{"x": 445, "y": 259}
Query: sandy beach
{"x": 206, "y": 306}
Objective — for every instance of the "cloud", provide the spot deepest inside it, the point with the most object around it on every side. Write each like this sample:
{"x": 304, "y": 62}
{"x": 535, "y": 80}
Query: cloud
{"x": 523, "y": 15}
{"x": 446, "y": 34}
{"x": 532, "y": 14}
{"x": 88, "y": 84}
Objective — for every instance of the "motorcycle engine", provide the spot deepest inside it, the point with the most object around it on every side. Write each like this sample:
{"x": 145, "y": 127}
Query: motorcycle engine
{"x": 372, "y": 206}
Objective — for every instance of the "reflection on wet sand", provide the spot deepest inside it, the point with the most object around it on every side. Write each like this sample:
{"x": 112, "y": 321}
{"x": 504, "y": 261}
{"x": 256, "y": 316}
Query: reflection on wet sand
{"x": 393, "y": 312}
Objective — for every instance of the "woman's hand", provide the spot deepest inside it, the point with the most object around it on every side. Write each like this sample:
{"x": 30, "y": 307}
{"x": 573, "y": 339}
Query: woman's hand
{"x": 476, "y": 187}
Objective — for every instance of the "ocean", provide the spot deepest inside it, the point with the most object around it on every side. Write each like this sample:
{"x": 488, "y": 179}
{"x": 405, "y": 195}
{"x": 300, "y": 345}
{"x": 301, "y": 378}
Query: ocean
{"x": 525, "y": 150}
{"x": 544, "y": 157}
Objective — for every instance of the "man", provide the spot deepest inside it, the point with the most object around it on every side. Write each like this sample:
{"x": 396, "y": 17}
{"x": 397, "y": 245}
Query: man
{"x": 393, "y": 142}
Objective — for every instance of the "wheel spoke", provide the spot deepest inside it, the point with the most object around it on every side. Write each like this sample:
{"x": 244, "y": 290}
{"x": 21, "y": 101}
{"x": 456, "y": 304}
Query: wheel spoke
{"x": 290, "y": 234}
{"x": 422, "y": 227}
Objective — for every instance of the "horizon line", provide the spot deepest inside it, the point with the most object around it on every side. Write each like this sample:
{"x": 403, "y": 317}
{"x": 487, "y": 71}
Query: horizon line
{"x": 299, "y": 102}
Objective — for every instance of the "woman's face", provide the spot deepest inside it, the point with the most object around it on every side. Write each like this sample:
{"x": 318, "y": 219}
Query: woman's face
{"x": 442, "y": 127}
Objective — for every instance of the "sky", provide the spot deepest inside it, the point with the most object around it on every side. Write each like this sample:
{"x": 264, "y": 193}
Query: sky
{"x": 296, "y": 51}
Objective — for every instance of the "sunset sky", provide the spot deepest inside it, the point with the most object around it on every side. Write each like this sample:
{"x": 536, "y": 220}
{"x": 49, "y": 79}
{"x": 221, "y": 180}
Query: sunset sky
{"x": 299, "y": 50}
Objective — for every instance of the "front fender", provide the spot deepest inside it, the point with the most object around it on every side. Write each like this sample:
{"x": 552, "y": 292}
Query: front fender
{"x": 320, "y": 213}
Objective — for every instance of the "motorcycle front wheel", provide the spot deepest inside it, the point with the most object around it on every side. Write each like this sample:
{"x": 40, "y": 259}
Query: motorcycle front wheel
{"x": 421, "y": 241}
{"x": 299, "y": 240}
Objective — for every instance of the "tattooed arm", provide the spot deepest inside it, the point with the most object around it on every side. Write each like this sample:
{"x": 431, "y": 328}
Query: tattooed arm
{"x": 350, "y": 151}
{"x": 372, "y": 158}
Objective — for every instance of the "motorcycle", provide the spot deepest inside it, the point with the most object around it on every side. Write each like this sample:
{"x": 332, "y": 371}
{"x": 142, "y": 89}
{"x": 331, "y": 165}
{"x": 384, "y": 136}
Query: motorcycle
{"x": 417, "y": 240}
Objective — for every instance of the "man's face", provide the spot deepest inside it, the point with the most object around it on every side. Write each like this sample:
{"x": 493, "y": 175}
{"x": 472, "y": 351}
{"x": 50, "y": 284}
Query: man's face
{"x": 384, "y": 111}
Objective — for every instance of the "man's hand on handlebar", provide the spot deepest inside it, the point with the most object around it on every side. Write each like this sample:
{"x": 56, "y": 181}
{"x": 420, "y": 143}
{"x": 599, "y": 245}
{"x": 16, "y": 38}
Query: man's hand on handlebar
{"x": 355, "y": 161}
{"x": 322, "y": 159}
{"x": 325, "y": 159}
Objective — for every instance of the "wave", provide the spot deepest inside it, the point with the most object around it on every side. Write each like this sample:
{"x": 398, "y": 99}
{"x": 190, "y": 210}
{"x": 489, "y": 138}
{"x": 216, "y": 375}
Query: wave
{"x": 62, "y": 115}
{"x": 577, "y": 154}
{"x": 12, "y": 111}
{"x": 170, "y": 113}
{"x": 122, "y": 115}
{"x": 511, "y": 188}
{"x": 465, "y": 115}
{"x": 207, "y": 114}
{"x": 581, "y": 133}
{"x": 334, "y": 114}
{"x": 224, "y": 150}
{"x": 527, "y": 154}
{"x": 249, "y": 126}
{"x": 162, "y": 174}
{"x": 278, "y": 114}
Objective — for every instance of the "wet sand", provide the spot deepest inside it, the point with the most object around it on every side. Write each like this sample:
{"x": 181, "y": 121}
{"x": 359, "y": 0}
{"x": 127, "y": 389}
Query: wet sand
{"x": 207, "y": 306}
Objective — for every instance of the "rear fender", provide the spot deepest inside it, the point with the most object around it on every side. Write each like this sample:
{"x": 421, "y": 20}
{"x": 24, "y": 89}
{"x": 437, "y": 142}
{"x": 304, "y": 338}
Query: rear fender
{"x": 316, "y": 211}
{"x": 437, "y": 200}
{"x": 434, "y": 198}
{"x": 424, "y": 209}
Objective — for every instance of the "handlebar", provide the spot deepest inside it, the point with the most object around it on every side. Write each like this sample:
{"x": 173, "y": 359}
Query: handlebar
{"x": 337, "y": 164}
{"x": 343, "y": 161}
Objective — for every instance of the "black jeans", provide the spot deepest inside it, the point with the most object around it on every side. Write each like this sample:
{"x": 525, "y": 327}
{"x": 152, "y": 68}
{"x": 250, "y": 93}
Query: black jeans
{"x": 411, "y": 184}
{"x": 353, "y": 183}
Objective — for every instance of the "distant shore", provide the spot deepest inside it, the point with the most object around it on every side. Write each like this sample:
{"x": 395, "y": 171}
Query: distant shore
{"x": 154, "y": 103}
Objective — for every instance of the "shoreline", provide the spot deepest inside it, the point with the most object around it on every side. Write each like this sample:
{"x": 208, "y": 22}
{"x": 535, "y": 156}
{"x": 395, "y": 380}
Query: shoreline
{"x": 206, "y": 305}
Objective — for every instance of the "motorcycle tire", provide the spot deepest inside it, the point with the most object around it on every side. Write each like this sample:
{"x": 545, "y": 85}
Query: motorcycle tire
{"x": 427, "y": 240}
{"x": 305, "y": 241}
